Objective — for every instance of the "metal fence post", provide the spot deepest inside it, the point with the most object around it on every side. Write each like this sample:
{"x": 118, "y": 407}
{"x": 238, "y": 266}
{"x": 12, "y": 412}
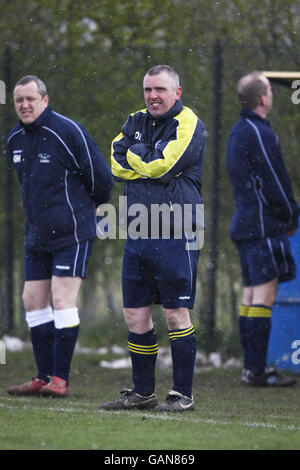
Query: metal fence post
{"x": 214, "y": 200}
{"x": 8, "y": 301}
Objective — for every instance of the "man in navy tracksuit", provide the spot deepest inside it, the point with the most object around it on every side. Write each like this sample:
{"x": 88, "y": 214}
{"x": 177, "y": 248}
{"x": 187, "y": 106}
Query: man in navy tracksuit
{"x": 63, "y": 177}
{"x": 159, "y": 155}
{"x": 265, "y": 215}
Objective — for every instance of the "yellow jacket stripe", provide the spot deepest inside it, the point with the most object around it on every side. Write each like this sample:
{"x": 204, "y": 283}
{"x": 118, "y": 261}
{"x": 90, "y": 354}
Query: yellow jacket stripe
{"x": 174, "y": 150}
{"x": 139, "y": 349}
{"x": 259, "y": 312}
{"x": 173, "y": 335}
{"x": 117, "y": 169}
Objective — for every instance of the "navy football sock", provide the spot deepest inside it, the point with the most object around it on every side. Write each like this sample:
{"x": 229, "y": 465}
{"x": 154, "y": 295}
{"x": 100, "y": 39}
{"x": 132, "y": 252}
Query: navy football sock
{"x": 143, "y": 350}
{"x": 243, "y": 320}
{"x": 42, "y": 343}
{"x": 183, "y": 349}
{"x": 258, "y": 332}
{"x": 64, "y": 345}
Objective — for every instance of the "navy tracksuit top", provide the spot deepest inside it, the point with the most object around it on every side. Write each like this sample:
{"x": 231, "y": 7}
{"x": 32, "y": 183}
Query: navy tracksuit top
{"x": 161, "y": 159}
{"x": 63, "y": 176}
{"x": 265, "y": 204}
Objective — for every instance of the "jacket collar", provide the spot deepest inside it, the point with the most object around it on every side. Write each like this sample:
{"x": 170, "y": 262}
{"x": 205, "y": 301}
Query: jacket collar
{"x": 176, "y": 109}
{"x": 248, "y": 113}
{"x": 38, "y": 122}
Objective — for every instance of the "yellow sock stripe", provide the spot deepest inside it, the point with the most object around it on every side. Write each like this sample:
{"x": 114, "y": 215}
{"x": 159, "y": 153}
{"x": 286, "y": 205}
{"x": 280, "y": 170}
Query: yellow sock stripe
{"x": 139, "y": 349}
{"x": 173, "y": 335}
{"x": 259, "y": 312}
{"x": 244, "y": 310}
{"x": 140, "y": 346}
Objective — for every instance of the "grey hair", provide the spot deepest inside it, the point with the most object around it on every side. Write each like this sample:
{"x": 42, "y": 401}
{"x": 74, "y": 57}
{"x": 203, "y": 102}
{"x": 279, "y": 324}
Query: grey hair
{"x": 157, "y": 69}
{"x": 33, "y": 78}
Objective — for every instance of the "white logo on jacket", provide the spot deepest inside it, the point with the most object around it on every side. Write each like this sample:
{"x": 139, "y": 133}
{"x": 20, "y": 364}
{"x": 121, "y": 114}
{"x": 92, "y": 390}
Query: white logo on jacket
{"x": 44, "y": 157}
{"x": 17, "y": 156}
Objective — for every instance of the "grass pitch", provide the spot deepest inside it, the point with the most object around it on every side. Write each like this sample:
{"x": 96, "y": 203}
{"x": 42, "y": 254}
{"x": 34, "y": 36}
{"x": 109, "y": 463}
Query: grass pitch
{"x": 228, "y": 415}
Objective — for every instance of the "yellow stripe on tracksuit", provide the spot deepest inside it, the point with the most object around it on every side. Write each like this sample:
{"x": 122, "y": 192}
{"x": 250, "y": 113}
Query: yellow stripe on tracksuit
{"x": 117, "y": 169}
{"x": 139, "y": 349}
{"x": 187, "y": 122}
{"x": 179, "y": 334}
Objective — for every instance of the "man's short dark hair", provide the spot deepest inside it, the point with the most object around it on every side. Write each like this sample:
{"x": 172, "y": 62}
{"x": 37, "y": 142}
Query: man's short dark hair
{"x": 250, "y": 88}
{"x": 33, "y": 78}
{"x": 157, "y": 69}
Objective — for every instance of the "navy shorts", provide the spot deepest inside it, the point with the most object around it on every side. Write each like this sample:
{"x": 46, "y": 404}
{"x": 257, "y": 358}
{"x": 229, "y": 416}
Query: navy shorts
{"x": 70, "y": 261}
{"x": 159, "y": 271}
{"x": 264, "y": 260}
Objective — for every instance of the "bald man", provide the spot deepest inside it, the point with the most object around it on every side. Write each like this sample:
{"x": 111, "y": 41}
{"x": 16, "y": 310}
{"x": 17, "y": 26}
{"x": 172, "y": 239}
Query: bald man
{"x": 266, "y": 213}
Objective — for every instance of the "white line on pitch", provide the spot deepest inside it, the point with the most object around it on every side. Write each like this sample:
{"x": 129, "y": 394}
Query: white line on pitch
{"x": 157, "y": 416}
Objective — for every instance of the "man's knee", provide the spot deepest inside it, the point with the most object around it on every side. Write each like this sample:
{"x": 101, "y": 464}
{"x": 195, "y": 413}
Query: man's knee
{"x": 36, "y": 295}
{"x": 59, "y": 301}
{"x": 247, "y": 295}
{"x": 29, "y": 300}
{"x": 64, "y": 292}
{"x": 265, "y": 294}
{"x": 177, "y": 319}
{"x": 138, "y": 320}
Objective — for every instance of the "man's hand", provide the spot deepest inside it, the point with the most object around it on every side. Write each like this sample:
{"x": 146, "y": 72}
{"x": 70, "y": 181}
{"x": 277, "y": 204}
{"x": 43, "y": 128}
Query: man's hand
{"x": 291, "y": 233}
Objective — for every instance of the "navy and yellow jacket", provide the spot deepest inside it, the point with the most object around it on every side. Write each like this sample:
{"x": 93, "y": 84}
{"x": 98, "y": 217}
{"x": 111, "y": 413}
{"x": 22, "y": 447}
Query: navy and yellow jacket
{"x": 265, "y": 204}
{"x": 160, "y": 159}
{"x": 63, "y": 177}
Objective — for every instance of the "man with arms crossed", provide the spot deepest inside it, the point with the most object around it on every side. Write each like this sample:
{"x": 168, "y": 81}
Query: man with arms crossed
{"x": 159, "y": 155}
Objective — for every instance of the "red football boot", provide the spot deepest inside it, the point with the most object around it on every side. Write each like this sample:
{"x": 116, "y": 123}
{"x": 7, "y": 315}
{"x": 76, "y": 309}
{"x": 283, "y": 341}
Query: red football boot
{"x": 29, "y": 388}
{"x": 57, "y": 387}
